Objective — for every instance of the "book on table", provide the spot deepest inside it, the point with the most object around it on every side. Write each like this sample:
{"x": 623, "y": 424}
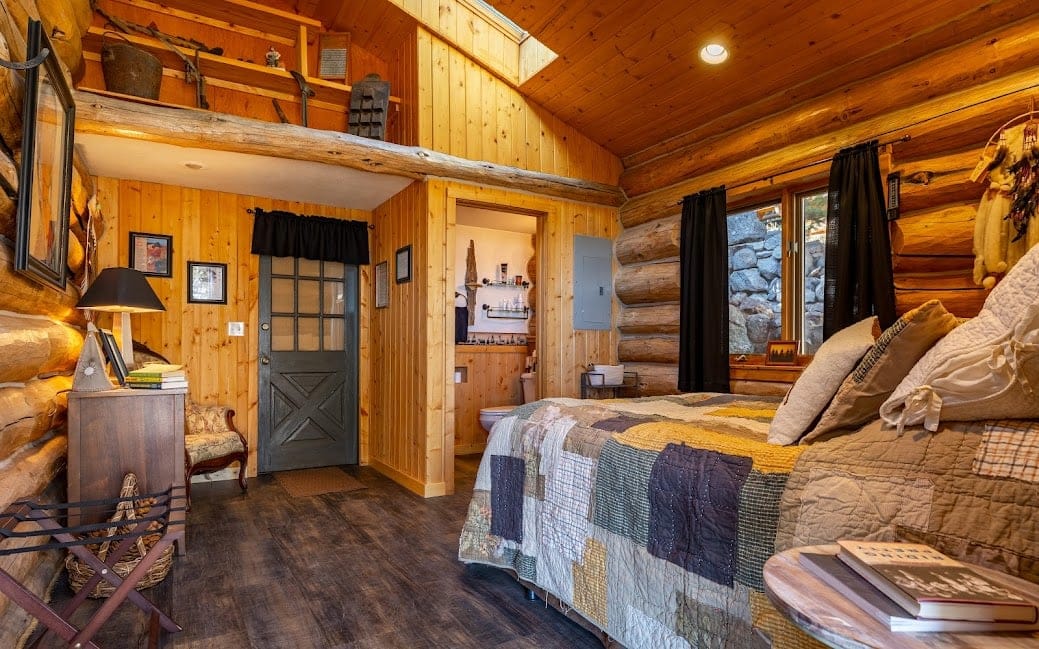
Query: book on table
{"x": 171, "y": 385}
{"x": 929, "y": 584}
{"x": 159, "y": 370}
{"x": 838, "y": 575}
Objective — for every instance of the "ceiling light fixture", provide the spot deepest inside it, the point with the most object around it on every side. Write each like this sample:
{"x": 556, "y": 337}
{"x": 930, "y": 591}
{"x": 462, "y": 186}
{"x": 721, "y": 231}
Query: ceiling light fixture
{"x": 714, "y": 53}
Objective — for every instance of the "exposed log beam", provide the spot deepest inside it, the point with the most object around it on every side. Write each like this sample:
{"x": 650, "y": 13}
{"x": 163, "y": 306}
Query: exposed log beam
{"x": 101, "y": 115}
{"x": 32, "y": 345}
{"x": 30, "y": 412}
{"x": 654, "y": 319}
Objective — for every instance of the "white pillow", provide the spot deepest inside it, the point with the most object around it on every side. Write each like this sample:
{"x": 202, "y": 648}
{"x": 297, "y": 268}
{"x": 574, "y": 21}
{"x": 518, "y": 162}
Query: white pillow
{"x": 1005, "y": 307}
{"x": 814, "y": 389}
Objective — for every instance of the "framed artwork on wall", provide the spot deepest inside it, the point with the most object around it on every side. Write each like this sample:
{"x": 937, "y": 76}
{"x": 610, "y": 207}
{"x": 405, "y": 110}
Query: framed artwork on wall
{"x": 207, "y": 282}
{"x": 404, "y": 264}
{"x": 382, "y": 285}
{"x": 152, "y": 254}
{"x": 45, "y": 175}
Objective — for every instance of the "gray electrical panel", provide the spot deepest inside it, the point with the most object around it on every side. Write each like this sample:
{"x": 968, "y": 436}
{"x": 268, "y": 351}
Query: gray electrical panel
{"x": 593, "y": 283}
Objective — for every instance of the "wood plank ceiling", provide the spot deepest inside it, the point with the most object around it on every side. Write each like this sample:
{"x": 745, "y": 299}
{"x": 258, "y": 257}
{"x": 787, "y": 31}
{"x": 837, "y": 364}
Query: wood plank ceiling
{"x": 629, "y": 76}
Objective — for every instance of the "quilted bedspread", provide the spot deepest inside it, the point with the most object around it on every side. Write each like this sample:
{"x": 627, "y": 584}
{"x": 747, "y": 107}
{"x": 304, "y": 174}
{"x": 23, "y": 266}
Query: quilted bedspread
{"x": 653, "y": 517}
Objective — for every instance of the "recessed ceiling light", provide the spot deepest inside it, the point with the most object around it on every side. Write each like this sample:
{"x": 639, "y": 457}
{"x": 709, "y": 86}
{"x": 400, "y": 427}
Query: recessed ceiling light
{"x": 714, "y": 53}
{"x": 191, "y": 164}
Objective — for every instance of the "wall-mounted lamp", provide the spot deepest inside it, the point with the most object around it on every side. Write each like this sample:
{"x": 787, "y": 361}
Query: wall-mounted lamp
{"x": 123, "y": 291}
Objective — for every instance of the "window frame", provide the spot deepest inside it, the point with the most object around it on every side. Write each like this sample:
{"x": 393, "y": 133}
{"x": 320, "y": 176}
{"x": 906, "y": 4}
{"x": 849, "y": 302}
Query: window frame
{"x": 792, "y": 263}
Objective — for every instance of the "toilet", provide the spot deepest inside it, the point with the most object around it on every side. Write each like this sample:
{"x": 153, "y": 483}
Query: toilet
{"x": 491, "y": 414}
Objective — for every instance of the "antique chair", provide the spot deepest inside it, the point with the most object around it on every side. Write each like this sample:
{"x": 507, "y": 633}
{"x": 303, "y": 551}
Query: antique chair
{"x": 212, "y": 442}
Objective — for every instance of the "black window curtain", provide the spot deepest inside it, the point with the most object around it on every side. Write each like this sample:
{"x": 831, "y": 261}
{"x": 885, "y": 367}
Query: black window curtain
{"x": 703, "y": 346}
{"x": 859, "y": 281}
{"x": 283, "y": 234}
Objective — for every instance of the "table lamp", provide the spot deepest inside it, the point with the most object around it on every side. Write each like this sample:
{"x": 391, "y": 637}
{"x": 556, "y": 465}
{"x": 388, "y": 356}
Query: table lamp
{"x": 123, "y": 291}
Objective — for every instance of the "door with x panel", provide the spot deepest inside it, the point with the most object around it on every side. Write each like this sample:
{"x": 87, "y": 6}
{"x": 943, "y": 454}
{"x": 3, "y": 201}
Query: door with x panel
{"x": 308, "y": 397}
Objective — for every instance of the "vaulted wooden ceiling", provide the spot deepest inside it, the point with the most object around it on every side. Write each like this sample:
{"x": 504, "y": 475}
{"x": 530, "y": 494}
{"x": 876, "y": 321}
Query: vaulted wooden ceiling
{"x": 628, "y": 73}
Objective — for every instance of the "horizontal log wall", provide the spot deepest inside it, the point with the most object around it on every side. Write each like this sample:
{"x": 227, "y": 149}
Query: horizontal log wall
{"x": 948, "y": 126}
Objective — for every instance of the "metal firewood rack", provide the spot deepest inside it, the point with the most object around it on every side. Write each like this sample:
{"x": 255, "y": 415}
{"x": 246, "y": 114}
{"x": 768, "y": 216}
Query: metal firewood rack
{"x": 26, "y": 521}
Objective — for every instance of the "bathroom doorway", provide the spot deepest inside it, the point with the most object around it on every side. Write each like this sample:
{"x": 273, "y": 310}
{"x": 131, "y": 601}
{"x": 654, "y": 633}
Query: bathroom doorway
{"x": 495, "y": 317}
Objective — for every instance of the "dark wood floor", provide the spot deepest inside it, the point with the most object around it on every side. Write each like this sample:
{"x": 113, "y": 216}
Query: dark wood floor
{"x": 369, "y": 569}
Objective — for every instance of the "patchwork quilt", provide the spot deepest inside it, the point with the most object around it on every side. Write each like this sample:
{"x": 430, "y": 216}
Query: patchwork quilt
{"x": 653, "y": 517}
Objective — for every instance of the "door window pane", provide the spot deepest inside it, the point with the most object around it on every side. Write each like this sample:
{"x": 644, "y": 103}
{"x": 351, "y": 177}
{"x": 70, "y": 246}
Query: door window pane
{"x": 333, "y": 297}
{"x": 309, "y": 339}
{"x": 309, "y": 267}
{"x": 334, "y": 269}
{"x": 281, "y": 296}
{"x": 334, "y": 340}
{"x": 755, "y": 278}
{"x": 813, "y": 245}
{"x": 283, "y": 265}
{"x": 282, "y": 334}
{"x": 308, "y": 294}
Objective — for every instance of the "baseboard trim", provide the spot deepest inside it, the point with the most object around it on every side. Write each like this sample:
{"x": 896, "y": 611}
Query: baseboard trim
{"x": 431, "y": 490}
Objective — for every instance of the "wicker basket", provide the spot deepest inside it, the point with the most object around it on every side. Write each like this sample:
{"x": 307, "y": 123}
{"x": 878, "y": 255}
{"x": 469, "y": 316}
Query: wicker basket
{"x": 127, "y": 511}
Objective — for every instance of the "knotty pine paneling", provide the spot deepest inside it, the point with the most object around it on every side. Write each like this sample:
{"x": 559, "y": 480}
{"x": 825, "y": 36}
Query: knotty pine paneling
{"x": 211, "y": 226}
{"x": 492, "y": 379}
{"x": 465, "y": 110}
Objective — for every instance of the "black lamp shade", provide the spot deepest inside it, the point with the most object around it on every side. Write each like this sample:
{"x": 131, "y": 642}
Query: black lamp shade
{"x": 121, "y": 289}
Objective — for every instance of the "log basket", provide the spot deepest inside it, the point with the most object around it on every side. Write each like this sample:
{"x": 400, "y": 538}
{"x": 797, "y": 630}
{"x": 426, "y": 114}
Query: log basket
{"x": 127, "y": 512}
{"x": 129, "y": 70}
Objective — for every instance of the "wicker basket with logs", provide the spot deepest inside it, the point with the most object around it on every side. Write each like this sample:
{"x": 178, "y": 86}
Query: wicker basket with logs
{"x": 127, "y": 512}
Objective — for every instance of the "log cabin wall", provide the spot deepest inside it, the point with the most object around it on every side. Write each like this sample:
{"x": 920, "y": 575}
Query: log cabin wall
{"x": 949, "y": 102}
{"x": 210, "y": 226}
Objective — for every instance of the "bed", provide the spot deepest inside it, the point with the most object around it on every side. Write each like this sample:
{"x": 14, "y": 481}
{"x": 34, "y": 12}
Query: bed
{"x": 652, "y": 518}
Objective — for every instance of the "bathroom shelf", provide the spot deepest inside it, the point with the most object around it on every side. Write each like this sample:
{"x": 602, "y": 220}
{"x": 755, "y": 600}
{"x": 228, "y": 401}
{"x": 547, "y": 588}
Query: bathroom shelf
{"x": 488, "y": 283}
{"x": 506, "y": 314}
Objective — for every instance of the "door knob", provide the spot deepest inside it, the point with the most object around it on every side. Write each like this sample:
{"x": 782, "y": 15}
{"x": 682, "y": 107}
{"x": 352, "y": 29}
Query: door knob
{"x": 265, "y": 360}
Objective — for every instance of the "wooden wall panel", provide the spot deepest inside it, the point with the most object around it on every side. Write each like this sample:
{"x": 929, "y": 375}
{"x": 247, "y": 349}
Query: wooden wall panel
{"x": 492, "y": 379}
{"x": 210, "y": 226}
{"x": 468, "y": 112}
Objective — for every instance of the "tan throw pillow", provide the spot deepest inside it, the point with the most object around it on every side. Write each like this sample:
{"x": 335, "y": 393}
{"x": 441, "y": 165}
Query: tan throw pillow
{"x": 812, "y": 391}
{"x": 883, "y": 367}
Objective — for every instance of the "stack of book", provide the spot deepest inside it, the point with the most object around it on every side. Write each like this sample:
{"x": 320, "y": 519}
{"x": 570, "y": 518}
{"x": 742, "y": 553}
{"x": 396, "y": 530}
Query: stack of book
{"x": 914, "y": 588}
{"x": 157, "y": 377}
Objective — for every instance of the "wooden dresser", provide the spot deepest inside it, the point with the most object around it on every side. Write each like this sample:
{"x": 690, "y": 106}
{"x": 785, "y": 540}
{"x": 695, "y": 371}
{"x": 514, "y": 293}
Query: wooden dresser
{"x": 114, "y": 432}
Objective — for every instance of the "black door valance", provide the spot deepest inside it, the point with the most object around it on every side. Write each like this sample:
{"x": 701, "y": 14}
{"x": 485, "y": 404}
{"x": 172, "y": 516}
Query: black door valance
{"x": 284, "y": 234}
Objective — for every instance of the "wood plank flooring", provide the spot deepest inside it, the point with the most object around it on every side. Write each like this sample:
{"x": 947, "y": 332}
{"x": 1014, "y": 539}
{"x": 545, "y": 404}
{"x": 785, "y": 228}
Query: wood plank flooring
{"x": 375, "y": 568}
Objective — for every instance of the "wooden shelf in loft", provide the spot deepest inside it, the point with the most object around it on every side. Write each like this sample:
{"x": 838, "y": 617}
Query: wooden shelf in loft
{"x": 239, "y": 15}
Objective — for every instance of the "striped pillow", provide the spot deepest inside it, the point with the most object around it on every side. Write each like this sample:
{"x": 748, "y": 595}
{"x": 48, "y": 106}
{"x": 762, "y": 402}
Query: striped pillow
{"x": 883, "y": 367}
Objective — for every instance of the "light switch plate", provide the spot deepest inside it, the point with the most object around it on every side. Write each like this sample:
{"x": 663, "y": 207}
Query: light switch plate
{"x": 235, "y": 328}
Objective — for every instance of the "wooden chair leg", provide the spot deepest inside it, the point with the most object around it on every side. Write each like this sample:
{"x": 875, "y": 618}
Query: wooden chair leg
{"x": 241, "y": 472}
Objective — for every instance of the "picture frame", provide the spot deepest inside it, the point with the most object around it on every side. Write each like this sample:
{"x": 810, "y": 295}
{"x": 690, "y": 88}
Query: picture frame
{"x": 45, "y": 174}
{"x": 333, "y": 56}
{"x": 152, "y": 254}
{"x": 207, "y": 282}
{"x": 403, "y": 268}
{"x": 781, "y": 352}
{"x": 115, "y": 358}
{"x": 382, "y": 285}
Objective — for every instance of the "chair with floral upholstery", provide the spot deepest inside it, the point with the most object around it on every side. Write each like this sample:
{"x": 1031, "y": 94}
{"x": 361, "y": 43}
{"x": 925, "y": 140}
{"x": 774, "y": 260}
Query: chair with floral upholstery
{"x": 212, "y": 442}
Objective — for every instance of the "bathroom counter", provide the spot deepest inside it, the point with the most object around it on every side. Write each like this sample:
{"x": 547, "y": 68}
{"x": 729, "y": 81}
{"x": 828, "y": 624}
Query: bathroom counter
{"x": 489, "y": 376}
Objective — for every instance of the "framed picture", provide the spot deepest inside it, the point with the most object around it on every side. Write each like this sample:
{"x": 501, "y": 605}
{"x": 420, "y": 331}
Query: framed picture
{"x": 333, "y": 54}
{"x": 207, "y": 283}
{"x": 404, "y": 264}
{"x": 152, "y": 254}
{"x": 382, "y": 284}
{"x": 45, "y": 175}
{"x": 114, "y": 356}
{"x": 781, "y": 352}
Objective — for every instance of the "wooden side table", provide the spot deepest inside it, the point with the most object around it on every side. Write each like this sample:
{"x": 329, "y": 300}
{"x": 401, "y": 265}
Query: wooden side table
{"x": 115, "y": 432}
{"x": 835, "y": 621}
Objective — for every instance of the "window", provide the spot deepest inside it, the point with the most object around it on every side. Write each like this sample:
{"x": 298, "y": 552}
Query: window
{"x": 762, "y": 278}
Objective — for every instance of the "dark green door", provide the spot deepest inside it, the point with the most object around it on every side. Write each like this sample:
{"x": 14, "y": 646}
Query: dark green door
{"x": 308, "y": 397}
